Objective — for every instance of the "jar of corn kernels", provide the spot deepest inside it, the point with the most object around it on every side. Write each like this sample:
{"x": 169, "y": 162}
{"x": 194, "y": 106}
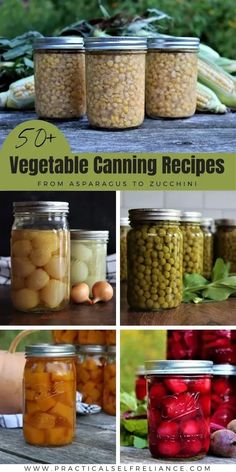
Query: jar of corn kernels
{"x": 171, "y": 77}
{"x": 60, "y": 77}
{"x": 124, "y": 228}
{"x": 115, "y": 81}
{"x": 208, "y": 246}
{"x": 109, "y": 391}
{"x": 49, "y": 395}
{"x": 40, "y": 256}
{"x": 90, "y": 373}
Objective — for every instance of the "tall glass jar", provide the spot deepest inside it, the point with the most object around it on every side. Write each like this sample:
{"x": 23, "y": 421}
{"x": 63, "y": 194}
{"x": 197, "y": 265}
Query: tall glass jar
{"x": 109, "y": 391}
{"x": 140, "y": 383}
{"x": 60, "y": 77}
{"x": 49, "y": 395}
{"x": 171, "y": 77}
{"x": 124, "y": 228}
{"x": 183, "y": 344}
{"x": 219, "y": 346}
{"x": 115, "y": 81}
{"x": 90, "y": 373}
{"x": 179, "y": 406}
{"x": 40, "y": 256}
{"x": 208, "y": 246}
{"x": 85, "y": 336}
{"x": 155, "y": 255}
{"x": 88, "y": 256}
{"x": 193, "y": 242}
{"x": 223, "y": 394}
{"x": 225, "y": 241}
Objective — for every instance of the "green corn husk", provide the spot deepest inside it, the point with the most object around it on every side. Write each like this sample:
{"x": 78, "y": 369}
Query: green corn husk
{"x": 207, "y": 100}
{"x": 229, "y": 65}
{"x": 208, "y": 52}
{"x": 20, "y": 96}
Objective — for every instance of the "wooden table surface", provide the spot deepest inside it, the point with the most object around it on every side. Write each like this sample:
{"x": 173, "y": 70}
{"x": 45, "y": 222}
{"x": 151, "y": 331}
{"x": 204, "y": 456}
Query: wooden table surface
{"x": 187, "y": 314}
{"x": 81, "y": 315}
{"x": 131, "y": 455}
{"x": 201, "y": 133}
{"x": 95, "y": 443}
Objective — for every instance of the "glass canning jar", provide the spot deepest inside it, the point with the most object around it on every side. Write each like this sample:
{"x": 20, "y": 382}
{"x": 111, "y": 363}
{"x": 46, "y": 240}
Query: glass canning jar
{"x": 40, "y": 256}
{"x": 140, "y": 383}
{"x": 61, "y": 336}
{"x": 85, "y": 336}
{"x": 193, "y": 242}
{"x": 60, "y": 77}
{"x": 88, "y": 256}
{"x": 115, "y": 81}
{"x": 111, "y": 337}
{"x": 49, "y": 395}
{"x": 219, "y": 346}
{"x": 109, "y": 391}
{"x": 223, "y": 394}
{"x": 171, "y": 77}
{"x": 155, "y": 257}
{"x": 179, "y": 406}
{"x": 225, "y": 241}
{"x": 183, "y": 344}
{"x": 124, "y": 228}
{"x": 90, "y": 373}
{"x": 208, "y": 246}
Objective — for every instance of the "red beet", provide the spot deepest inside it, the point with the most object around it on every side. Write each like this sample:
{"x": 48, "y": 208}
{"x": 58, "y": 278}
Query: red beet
{"x": 169, "y": 448}
{"x": 176, "y": 385}
{"x": 167, "y": 428}
{"x": 190, "y": 427}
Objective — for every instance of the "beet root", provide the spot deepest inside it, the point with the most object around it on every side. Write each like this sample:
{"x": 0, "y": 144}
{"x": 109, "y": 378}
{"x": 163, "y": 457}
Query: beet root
{"x": 223, "y": 443}
{"x": 232, "y": 426}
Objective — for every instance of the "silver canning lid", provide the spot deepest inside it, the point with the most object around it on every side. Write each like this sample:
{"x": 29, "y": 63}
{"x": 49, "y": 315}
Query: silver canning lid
{"x": 224, "y": 369}
{"x": 124, "y": 221}
{"x": 65, "y": 42}
{"x": 83, "y": 234}
{"x": 140, "y": 370}
{"x": 90, "y": 349}
{"x": 225, "y": 222}
{"x": 116, "y": 43}
{"x": 207, "y": 221}
{"x": 111, "y": 349}
{"x": 41, "y": 207}
{"x": 191, "y": 217}
{"x": 154, "y": 214}
{"x": 178, "y": 367}
{"x": 174, "y": 43}
{"x": 50, "y": 350}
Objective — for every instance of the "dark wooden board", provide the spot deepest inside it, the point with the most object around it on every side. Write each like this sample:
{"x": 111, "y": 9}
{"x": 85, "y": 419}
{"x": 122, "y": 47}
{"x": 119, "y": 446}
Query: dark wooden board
{"x": 81, "y": 315}
{"x": 201, "y": 133}
{"x": 187, "y": 314}
{"x": 131, "y": 455}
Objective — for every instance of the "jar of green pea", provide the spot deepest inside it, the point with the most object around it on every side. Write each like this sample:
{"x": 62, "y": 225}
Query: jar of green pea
{"x": 154, "y": 259}
{"x": 225, "y": 241}
{"x": 192, "y": 242}
{"x": 208, "y": 246}
{"x": 124, "y": 228}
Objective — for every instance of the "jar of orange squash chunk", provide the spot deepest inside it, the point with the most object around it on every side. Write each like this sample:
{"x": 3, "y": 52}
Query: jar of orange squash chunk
{"x": 109, "y": 392}
{"x": 40, "y": 256}
{"x": 92, "y": 336}
{"x": 90, "y": 372}
{"x": 111, "y": 337}
{"x": 67, "y": 336}
{"x": 49, "y": 395}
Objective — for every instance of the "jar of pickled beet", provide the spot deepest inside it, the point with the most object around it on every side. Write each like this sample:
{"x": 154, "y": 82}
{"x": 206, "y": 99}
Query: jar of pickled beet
{"x": 109, "y": 391}
{"x": 111, "y": 337}
{"x": 225, "y": 241}
{"x": 192, "y": 242}
{"x": 90, "y": 373}
{"x": 40, "y": 256}
{"x": 124, "y": 228}
{"x": 179, "y": 407}
{"x": 223, "y": 394}
{"x": 49, "y": 395}
{"x": 183, "y": 344}
{"x": 208, "y": 246}
{"x": 219, "y": 346}
{"x": 155, "y": 259}
{"x": 140, "y": 383}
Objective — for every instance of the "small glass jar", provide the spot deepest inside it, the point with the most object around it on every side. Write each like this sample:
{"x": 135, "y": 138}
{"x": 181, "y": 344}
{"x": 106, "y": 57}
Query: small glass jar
{"x": 171, "y": 77}
{"x": 115, "y": 81}
{"x": 111, "y": 337}
{"x": 225, "y": 241}
{"x": 49, "y": 395}
{"x": 124, "y": 228}
{"x": 109, "y": 391}
{"x": 40, "y": 256}
{"x": 88, "y": 256}
{"x": 219, "y": 346}
{"x": 193, "y": 242}
{"x": 183, "y": 344}
{"x": 179, "y": 406}
{"x": 140, "y": 384}
{"x": 155, "y": 256}
{"x": 90, "y": 373}
{"x": 60, "y": 77}
{"x": 208, "y": 246}
{"x": 223, "y": 394}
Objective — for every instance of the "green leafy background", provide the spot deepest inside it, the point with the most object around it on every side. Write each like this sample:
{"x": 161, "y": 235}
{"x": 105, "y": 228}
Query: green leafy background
{"x": 7, "y": 336}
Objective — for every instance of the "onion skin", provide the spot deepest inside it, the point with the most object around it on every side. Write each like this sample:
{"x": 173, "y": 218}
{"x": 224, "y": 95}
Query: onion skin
{"x": 80, "y": 293}
{"x": 102, "y": 292}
